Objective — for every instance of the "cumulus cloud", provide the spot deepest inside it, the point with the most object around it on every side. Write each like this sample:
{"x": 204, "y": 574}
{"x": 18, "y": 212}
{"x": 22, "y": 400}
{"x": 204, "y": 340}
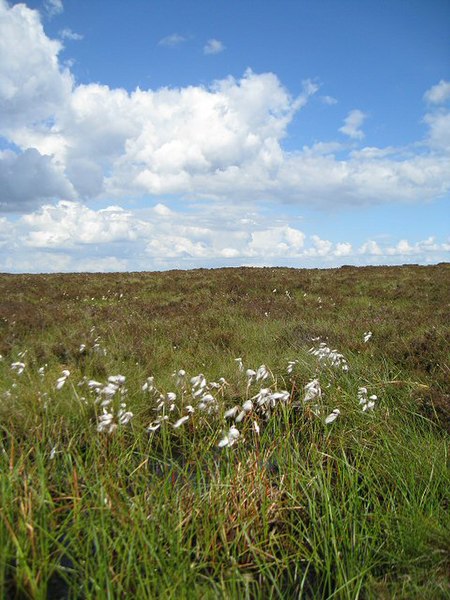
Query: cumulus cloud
{"x": 352, "y": 124}
{"x": 439, "y": 93}
{"x": 172, "y": 40}
{"x": 69, "y": 236}
{"x": 213, "y": 46}
{"x": 28, "y": 179}
{"x": 33, "y": 86}
{"x": 222, "y": 142}
{"x": 68, "y": 224}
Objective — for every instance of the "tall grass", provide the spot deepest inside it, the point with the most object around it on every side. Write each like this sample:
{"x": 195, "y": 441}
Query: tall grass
{"x": 354, "y": 509}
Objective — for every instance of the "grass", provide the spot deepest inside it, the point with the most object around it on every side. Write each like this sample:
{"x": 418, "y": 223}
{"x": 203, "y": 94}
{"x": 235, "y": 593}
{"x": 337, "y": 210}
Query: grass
{"x": 354, "y": 509}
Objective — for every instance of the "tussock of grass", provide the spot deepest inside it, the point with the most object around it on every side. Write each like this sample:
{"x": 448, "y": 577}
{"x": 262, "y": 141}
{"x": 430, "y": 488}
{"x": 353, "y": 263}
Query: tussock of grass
{"x": 355, "y": 509}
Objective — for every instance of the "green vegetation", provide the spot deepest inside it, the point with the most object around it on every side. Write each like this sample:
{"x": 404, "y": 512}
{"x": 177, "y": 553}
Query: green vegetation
{"x": 357, "y": 508}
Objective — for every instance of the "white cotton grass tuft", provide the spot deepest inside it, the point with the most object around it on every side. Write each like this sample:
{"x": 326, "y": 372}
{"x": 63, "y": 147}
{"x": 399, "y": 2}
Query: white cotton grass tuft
{"x": 62, "y": 380}
{"x": 367, "y": 335}
{"x": 180, "y": 378}
{"x": 180, "y": 422}
{"x": 149, "y": 385}
{"x": 198, "y": 382}
{"x": 230, "y": 438}
{"x": 262, "y": 373}
{"x": 312, "y": 390}
{"x": 18, "y": 367}
{"x": 250, "y": 374}
{"x": 231, "y": 412}
{"x": 329, "y": 357}
{"x": 366, "y": 403}
{"x": 332, "y": 416}
{"x": 240, "y": 364}
{"x": 291, "y": 366}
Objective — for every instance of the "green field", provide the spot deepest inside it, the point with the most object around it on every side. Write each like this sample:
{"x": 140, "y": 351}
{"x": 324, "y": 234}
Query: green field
{"x": 130, "y": 487}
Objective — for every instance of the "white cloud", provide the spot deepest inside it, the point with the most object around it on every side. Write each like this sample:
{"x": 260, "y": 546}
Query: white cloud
{"x": 320, "y": 247}
{"x": 53, "y": 7}
{"x": 371, "y": 248}
{"x": 439, "y": 130}
{"x": 68, "y": 34}
{"x": 222, "y": 142}
{"x": 275, "y": 241}
{"x": 439, "y": 93}
{"x": 328, "y": 100}
{"x": 170, "y": 41}
{"x": 33, "y": 87}
{"x": 343, "y": 249}
{"x": 68, "y": 224}
{"x": 213, "y": 46}
{"x": 352, "y": 124}
{"x": 69, "y": 236}
{"x": 28, "y": 179}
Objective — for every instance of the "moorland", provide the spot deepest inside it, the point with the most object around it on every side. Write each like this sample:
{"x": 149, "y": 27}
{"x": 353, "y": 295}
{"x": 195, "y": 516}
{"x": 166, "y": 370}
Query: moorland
{"x": 230, "y": 433}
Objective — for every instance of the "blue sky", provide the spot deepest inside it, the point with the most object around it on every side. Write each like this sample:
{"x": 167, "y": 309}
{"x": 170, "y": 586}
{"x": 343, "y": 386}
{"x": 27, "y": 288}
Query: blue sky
{"x": 175, "y": 134}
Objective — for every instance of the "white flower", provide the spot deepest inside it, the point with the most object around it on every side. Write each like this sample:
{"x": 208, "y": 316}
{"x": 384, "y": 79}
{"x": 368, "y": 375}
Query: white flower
{"x": 328, "y": 356}
{"x": 124, "y": 417}
{"x": 332, "y": 416}
{"x": 312, "y": 390}
{"x": 291, "y": 365}
{"x": 230, "y": 438}
{"x": 181, "y": 376}
{"x": 262, "y": 373}
{"x": 208, "y": 398}
{"x": 250, "y": 374}
{"x": 239, "y": 363}
{"x": 117, "y": 379}
{"x": 283, "y": 395}
{"x": 95, "y": 385}
{"x": 18, "y": 367}
{"x": 109, "y": 390}
{"x": 180, "y": 422}
{"x": 199, "y": 381}
{"x": 240, "y": 416}
{"x": 231, "y": 412}
{"x": 62, "y": 380}
{"x": 148, "y": 385}
{"x": 369, "y": 406}
{"x": 154, "y": 426}
{"x": 247, "y": 406}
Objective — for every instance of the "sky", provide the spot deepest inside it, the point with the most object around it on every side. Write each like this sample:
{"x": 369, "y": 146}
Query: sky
{"x": 174, "y": 134}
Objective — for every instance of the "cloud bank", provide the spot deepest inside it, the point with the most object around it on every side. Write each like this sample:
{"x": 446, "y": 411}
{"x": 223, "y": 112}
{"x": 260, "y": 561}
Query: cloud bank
{"x": 69, "y": 236}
